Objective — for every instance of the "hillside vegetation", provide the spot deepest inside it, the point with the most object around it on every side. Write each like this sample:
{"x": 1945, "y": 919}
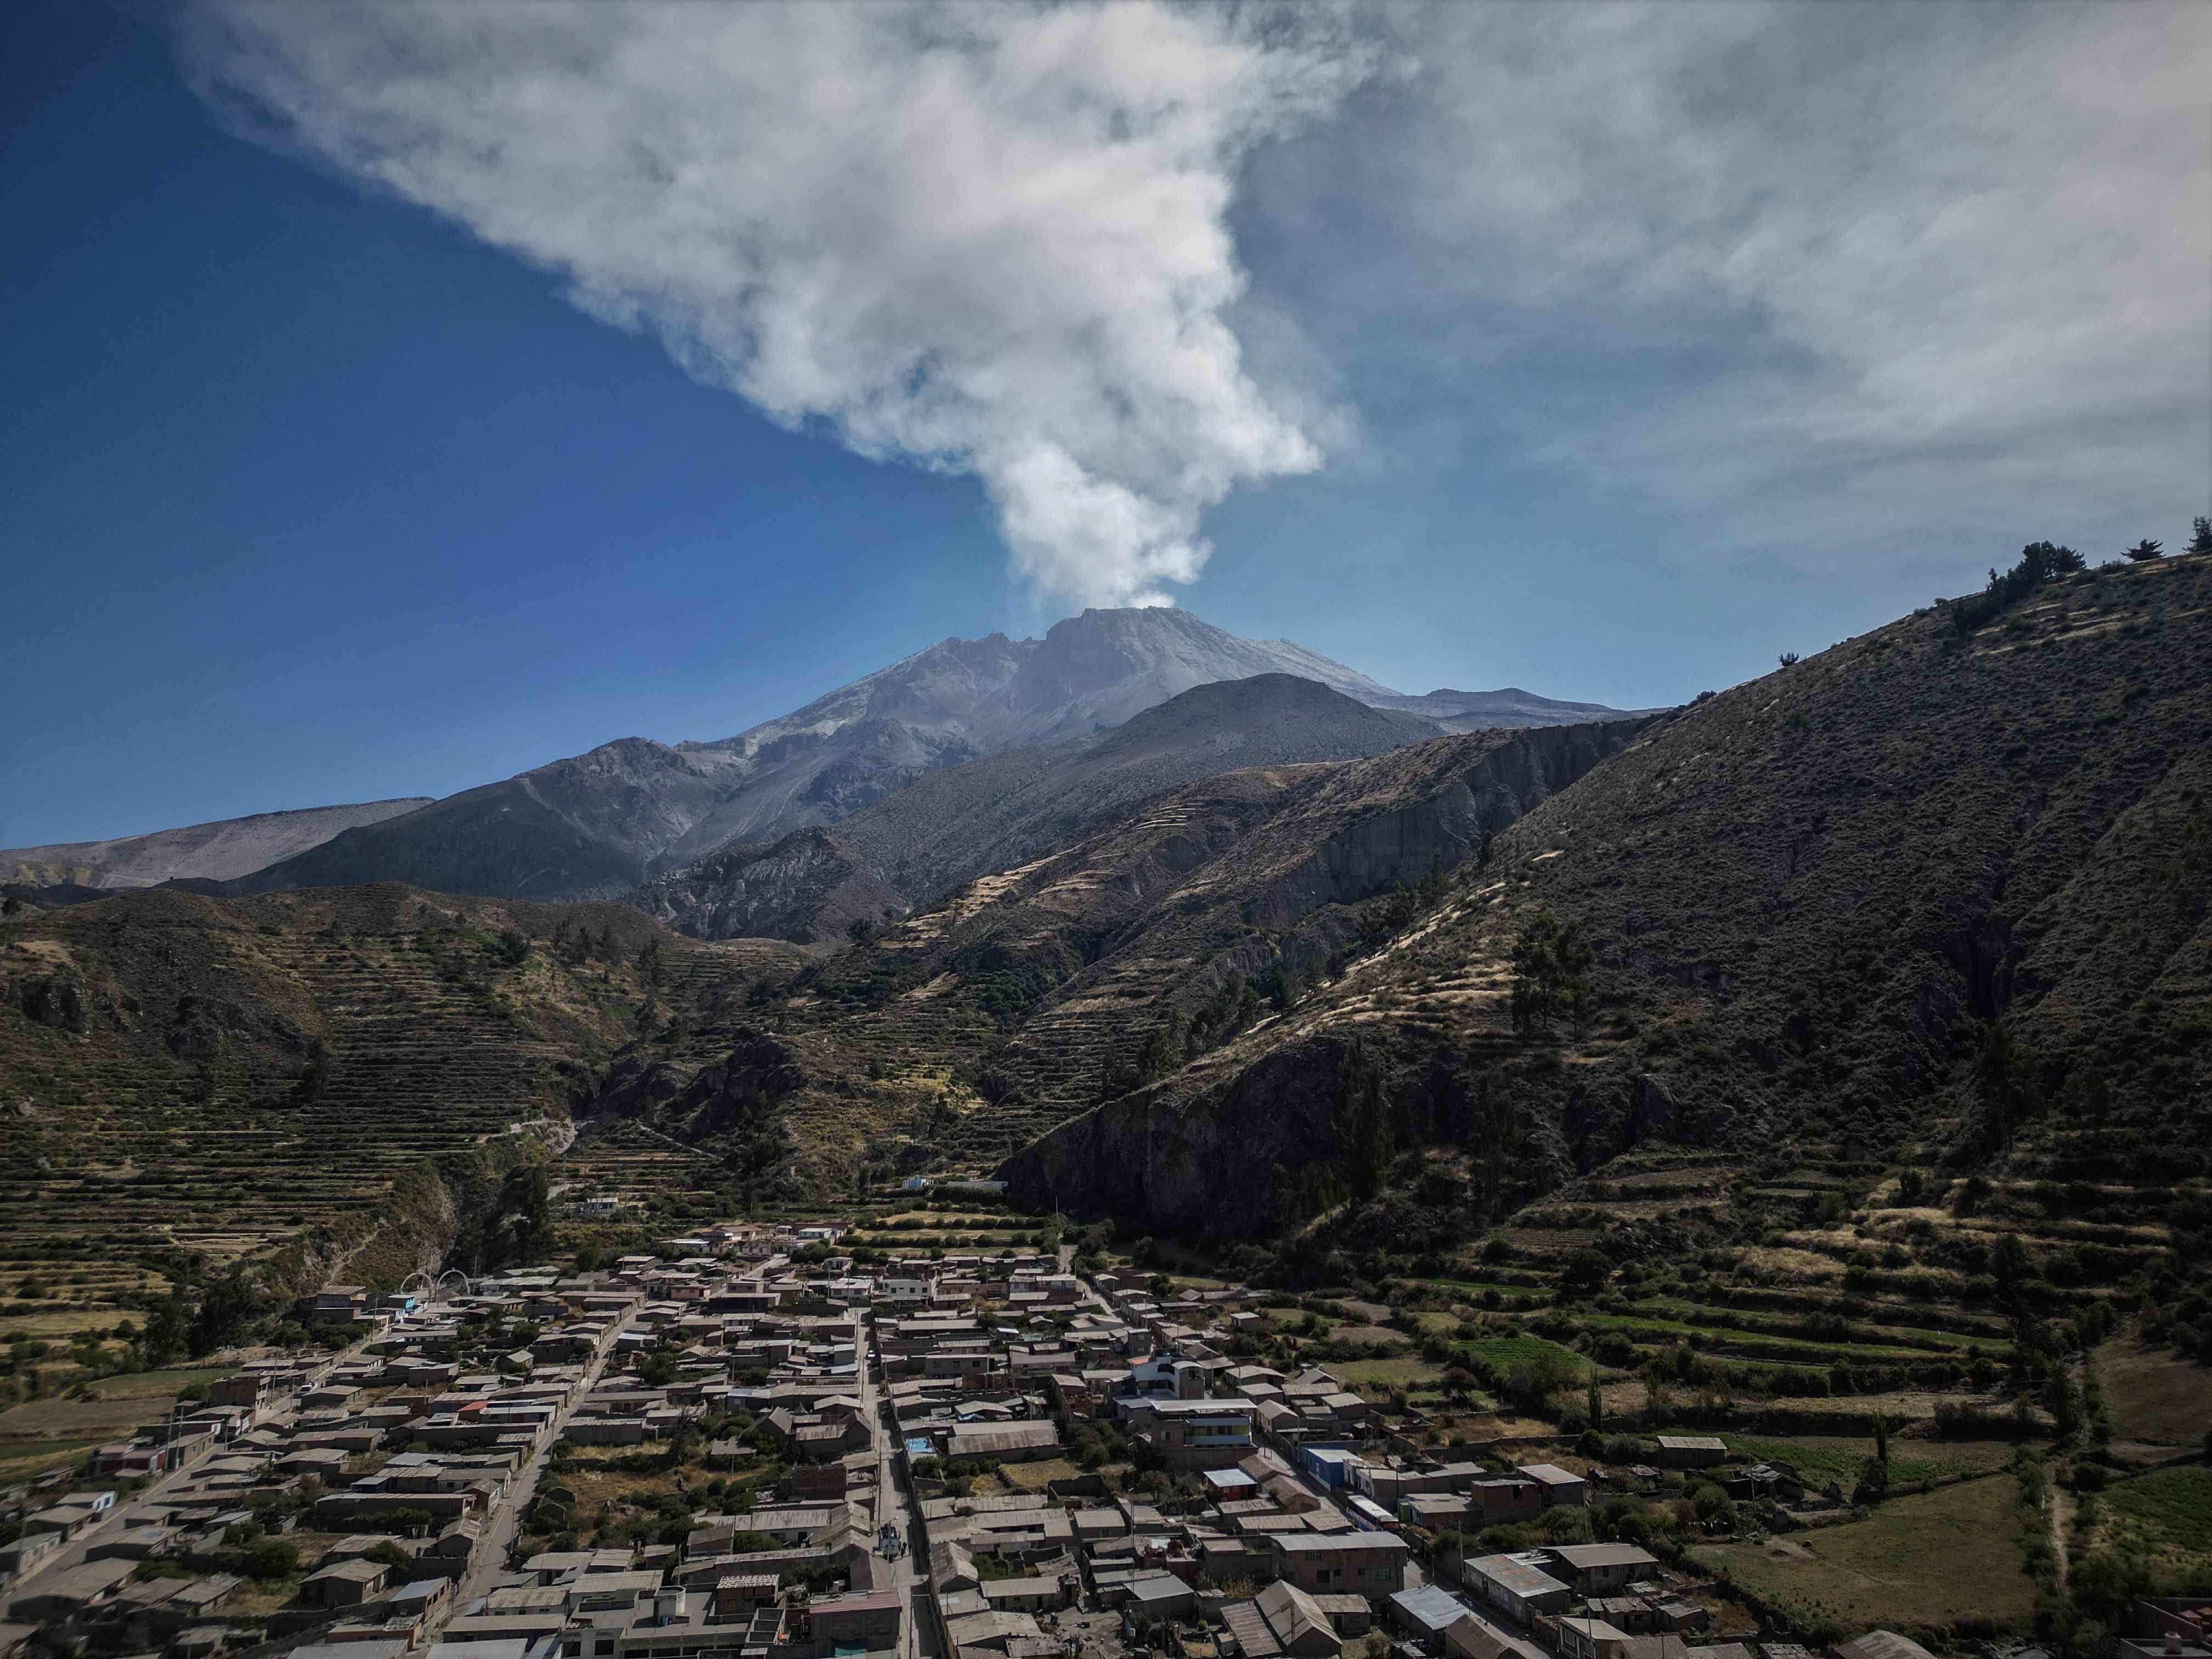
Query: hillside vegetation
{"x": 1933, "y": 896}
{"x": 188, "y": 1080}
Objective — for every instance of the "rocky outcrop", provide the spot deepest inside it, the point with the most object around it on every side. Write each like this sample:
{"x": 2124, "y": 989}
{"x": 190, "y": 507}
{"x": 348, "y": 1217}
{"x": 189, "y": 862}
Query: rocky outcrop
{"x": 1436, "y": 833}
{"x": 804, "y": 888}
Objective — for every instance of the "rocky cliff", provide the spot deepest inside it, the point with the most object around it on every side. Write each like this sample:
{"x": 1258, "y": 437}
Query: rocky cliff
{"x": 1938, "y": 893}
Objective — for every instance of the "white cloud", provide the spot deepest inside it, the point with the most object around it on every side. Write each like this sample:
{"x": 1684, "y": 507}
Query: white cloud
{"x": 1794, "y": 268}
{"x": 989, "y": 239}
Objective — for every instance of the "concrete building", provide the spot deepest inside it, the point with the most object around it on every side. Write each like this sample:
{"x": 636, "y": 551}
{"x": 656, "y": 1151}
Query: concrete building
{"x": 1516, "y": 1585}
{"x": 1369, "y": 1564}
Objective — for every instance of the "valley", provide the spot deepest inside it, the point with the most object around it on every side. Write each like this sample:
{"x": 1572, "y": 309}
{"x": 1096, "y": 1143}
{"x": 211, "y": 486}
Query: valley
{"x": 1817, "y": 1068}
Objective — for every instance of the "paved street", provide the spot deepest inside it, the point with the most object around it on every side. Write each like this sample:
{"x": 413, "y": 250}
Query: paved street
{"x": 909, "y": 1571}
{"x": 488, "y": 1561}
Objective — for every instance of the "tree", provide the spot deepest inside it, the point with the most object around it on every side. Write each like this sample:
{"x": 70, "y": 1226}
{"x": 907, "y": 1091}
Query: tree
{"x": 1594, "y": 1402}
{"x": 1790, "y": 659}
{"x": 861, "y": 931}
{"x": 167, "y": 1330}
{"x": 230, "y": 1305}
{"x": 1551, "y": 967}
{"x": 2145, "y": 550}
{"x": 2041, "y": 561}
{"x": 271, "y": 1558}
{"x": 2201, "y": 540}
{"x": 1586, "y": 1273}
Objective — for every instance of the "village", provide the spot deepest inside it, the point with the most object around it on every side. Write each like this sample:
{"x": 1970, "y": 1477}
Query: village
{"x": 744, "y": 1442}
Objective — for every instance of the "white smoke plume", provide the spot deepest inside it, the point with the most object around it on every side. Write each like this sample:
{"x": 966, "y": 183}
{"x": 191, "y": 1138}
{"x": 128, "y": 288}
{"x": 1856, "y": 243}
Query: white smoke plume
{"x": 986, "y": 239}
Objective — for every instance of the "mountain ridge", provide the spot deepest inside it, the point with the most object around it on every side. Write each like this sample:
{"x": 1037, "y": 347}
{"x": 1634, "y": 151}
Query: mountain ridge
{"x": 1004, "y": 810}
{"x": 217, "y": 850}
{"x": 602, "y": 824}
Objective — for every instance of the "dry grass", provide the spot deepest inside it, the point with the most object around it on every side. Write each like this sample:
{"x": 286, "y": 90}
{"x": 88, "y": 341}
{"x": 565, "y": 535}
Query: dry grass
{"x": 1035, "y": 1477}
{"x": 2153, "y": 1397}
{"x": 1918, "y": 1563}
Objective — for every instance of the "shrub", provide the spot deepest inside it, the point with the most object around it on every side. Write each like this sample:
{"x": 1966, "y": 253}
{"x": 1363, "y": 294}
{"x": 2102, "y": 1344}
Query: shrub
{"x": 271, "y": 1558}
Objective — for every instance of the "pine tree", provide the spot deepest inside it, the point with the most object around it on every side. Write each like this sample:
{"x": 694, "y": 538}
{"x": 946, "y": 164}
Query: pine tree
{"x": 2145, "y": 550}
{"x": 2201, "y": 542}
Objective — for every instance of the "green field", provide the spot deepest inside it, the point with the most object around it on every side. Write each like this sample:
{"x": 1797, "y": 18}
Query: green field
{"x": 156, "y": 1385}
{"x": 1504, "y": 1352}
{"x": 1919, "y": 1563}
{"x": 1406, "y": 1371}
{"x": 20, "y": 1459}
{"x": 39, "y": 1433}
{"x": 2164, "y": 1518}
{"x": 1840, "y": 1458}
{"x": 2154, "y": 1396}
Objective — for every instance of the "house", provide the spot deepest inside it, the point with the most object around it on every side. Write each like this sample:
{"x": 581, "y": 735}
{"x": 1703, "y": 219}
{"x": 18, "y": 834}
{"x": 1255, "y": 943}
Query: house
{"x": 1471, "y": 1636}
{"x": 1557, "y": 1486}
{"x": 1494, "y": 1501}
{"x": 1297, "y": 1623}
{"x": 1602, "y": 1569}
{"x": 346, "y": 1584}
{"x": 1370, "y": 1564}
{"x": 24, "y": 1555}
{"x": 868, "y": 1622}
{"x": 1591, "y": 1638}
{"x": 1690, "y": 1451}
{"x": 1880, "y": 1644}
{"x": 1516, "y": 1585}
{"x": 63, "y": 1595}
{"x": 1425, "y": 1614}
{"x": 1332, "y": 1466}
{"x": 1005, "y": 1442}
{"x": 422, "y": 1598}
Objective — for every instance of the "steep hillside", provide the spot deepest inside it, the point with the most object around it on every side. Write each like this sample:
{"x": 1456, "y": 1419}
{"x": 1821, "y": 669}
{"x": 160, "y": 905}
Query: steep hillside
{"x": 1007, "y": 808}
{"x": 226, "y": 1075}
{"x": 592, "y": 826}
{"x": 1022, "y": 998}
{"x": 212, "y": 852}
{"x": 1937, "y": 895}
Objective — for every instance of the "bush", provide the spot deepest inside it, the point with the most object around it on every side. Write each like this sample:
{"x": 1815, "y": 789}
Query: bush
{"x": 2088, "y": 1476}
{"x": 271, "y": 1558}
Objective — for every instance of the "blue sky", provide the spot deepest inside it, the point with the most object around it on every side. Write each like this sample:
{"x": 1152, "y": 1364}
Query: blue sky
{"x": 1605, "y": 352}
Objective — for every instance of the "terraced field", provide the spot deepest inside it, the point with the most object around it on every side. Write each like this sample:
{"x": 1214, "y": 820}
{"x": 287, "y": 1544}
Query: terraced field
{"x": 1799, "y": 1288}
{"x": 224, "y": 1077}
{"x": 2163, "y": 1520}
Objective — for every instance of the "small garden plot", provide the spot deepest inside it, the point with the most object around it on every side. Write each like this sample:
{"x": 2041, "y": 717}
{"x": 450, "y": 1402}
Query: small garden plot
{"x": 1035, "y": 1477}
{"x": 1505, "y": 1354}
{"x": 2153, "y": 1397}
{"x": 1406, "y": 1371}
{"x": 1919, "y": 1563}
{"x": 2164, "y": 1518}
{"x": 23, "y": 1460}
{"x": 157, "y": 1385}
{"x": 1823, "y": 1458}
